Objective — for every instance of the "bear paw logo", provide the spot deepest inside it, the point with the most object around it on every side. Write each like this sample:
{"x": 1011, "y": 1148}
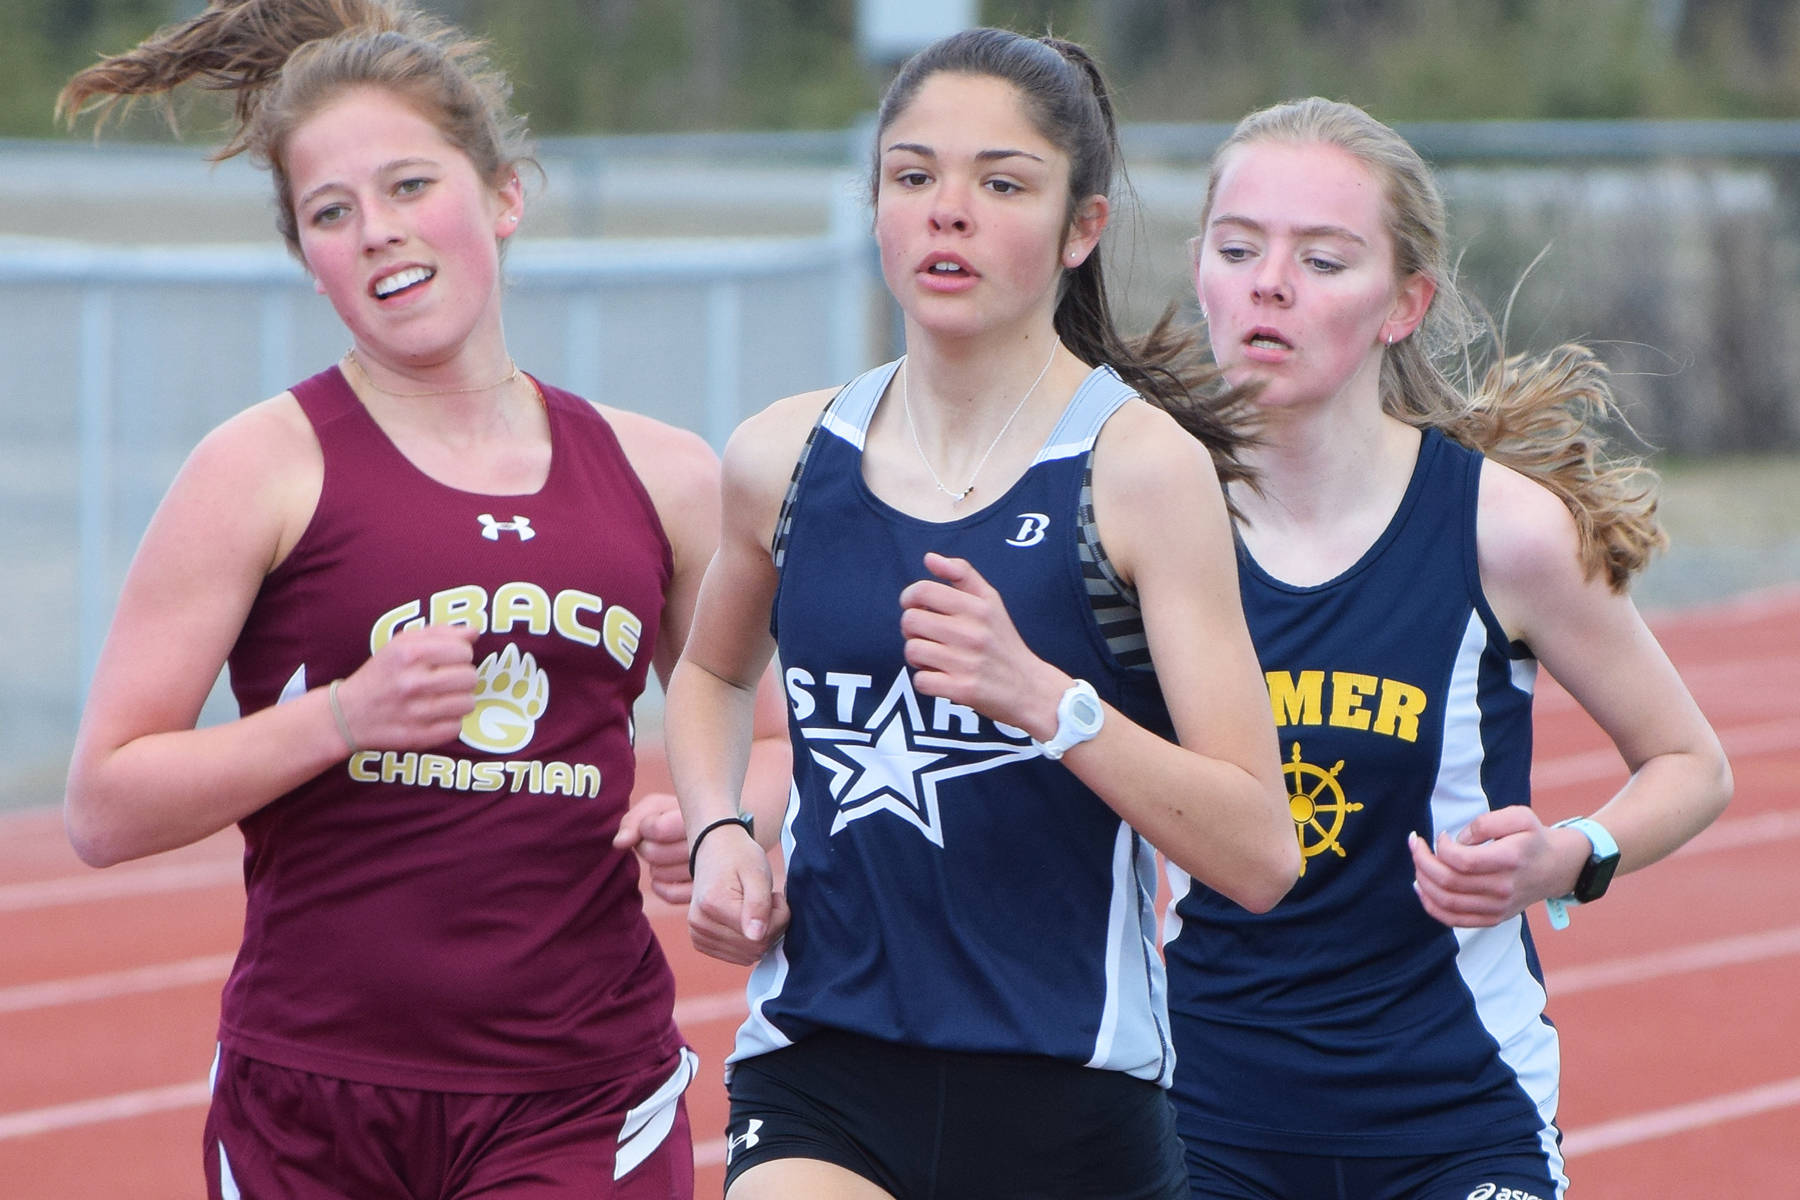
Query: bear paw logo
{"x": 510, "y": 695}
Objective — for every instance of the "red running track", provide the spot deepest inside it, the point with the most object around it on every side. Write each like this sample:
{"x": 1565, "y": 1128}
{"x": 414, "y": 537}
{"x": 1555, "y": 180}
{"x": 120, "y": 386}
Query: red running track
{"x": 1677, "y": 997}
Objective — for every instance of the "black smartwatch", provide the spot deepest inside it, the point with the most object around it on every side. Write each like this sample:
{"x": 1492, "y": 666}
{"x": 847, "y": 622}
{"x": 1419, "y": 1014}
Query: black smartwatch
{"x": 1596, "y": 873}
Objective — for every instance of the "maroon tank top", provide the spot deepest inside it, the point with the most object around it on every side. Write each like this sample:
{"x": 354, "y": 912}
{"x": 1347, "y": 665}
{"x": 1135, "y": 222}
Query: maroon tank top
{"x": 456, "y": 919}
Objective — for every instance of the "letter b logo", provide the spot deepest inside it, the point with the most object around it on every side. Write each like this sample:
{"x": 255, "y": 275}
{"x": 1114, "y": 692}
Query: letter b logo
{"x": 1031, "y": 529}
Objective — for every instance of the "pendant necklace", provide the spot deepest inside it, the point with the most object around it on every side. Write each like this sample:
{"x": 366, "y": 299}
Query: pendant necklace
{"x": 906, "y": 408}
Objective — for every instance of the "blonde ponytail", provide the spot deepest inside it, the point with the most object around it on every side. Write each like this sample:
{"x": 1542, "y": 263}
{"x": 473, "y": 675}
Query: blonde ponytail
{"x": 1541, "y": 417}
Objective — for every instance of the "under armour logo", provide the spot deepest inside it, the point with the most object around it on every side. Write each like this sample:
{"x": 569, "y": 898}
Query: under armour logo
{"x": 490, "y": 528}
{"x": 744, "y": 1141}
{"x": 1031, "y": 530}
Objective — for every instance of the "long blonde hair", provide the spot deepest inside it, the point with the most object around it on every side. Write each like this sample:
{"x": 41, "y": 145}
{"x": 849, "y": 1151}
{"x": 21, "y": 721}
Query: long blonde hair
{"x": 1538, "y": 415}
{"x": 284, "y": 60}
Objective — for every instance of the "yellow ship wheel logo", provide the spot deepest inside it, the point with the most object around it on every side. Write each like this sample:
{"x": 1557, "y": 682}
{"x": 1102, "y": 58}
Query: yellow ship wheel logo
{"x": 1316, "y": 802}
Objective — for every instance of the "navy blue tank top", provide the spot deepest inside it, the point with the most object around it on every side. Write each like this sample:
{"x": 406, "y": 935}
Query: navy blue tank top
{"x": 1347, "y": 1020}
{"x": 950, "y": 886}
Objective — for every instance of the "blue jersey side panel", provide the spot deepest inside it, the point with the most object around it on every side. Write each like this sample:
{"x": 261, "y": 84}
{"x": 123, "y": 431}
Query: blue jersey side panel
{"x": 1347, "y": 1020}
{"x": 950, "y": 886}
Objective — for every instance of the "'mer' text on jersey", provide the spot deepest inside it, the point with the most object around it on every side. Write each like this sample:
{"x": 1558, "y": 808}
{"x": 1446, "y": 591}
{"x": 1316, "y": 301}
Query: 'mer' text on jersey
{"x": 1346, "y": 699}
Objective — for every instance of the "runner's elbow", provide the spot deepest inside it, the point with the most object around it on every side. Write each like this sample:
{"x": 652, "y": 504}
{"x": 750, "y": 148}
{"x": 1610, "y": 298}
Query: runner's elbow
{"x": 1276, "y": 878}
{"x": 87, "y": 836}
{"x": 97, "y": 836}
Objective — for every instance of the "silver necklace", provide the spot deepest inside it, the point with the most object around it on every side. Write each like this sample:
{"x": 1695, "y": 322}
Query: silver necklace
{"x": 906, "y": 408}
{"x": 350, "y": 357}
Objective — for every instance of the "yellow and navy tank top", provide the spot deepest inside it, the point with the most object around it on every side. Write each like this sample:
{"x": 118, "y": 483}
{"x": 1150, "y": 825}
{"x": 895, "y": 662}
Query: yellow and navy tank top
{"x": 951, "y": 887}
{"x": 1346, "y": 1020}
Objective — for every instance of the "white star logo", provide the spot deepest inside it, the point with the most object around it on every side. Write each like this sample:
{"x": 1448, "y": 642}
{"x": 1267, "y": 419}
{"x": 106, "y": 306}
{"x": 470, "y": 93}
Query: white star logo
{"x": 894, "y": 763}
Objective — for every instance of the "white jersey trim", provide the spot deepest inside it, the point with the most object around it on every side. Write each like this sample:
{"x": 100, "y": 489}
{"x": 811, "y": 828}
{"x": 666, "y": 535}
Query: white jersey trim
{"x": 1133, "y": 1036}
{"x": 1509, "y": 1002}
{"x": 647, "y": 1125}
{"x": 758, "y": 1034}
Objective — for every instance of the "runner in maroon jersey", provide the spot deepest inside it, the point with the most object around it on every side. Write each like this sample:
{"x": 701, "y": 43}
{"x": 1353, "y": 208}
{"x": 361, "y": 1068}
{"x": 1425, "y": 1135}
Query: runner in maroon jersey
{"x": 440, "y": 585}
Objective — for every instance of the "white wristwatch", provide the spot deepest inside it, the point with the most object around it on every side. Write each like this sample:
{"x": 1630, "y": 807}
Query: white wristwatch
{"x": 1078, "y": 718}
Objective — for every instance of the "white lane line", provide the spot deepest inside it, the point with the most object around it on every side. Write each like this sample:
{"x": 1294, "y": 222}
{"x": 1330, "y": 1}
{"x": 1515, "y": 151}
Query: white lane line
{"x": 1608, "y": 1135}
{"x": 23, "y": 997}
{"x": 1740, "y": 742}
{"x": 127, "y": 1105}
{"x": 1773, "y": 601}
{"x": 1712, "y": 678}
{"x": 1729, "y": 833}
{"x": 1743, "y": 741}
{"x": 213, "y": 968}
{"x": 1667, "y": 1122}
{"x": 1702, "y": 956}
{"x": 111, "y": 885}
{"x": 120, "y": 1107}
{"x": 1571, "y": 769}
{"x": 1763, "y": 829}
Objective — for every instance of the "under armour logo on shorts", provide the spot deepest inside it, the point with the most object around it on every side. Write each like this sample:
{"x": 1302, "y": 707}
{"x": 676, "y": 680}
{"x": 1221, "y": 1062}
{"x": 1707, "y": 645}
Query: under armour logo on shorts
{"x": 735, "y": 1142}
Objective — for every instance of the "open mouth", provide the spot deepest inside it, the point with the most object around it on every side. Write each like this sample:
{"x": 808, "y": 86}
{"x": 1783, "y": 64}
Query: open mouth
{"x": 1267, "y": 341}
{"x": 400, "y": 281}
{"x": 941, "y": 264}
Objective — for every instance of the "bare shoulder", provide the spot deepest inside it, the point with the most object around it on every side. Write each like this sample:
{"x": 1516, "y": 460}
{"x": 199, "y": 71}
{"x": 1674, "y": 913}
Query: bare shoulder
{"x": 249, "y": 488}
{"x": 267, "y": 453}
{"x": 1525, "y": 535}
{"x": 1529, "y": 551}
{"x": 665, "y": 456}
{"x": 785, "y": 422}
{"x": 763, "y": 450}
{"x": 1146, "y": 467}
{"x": 759, "y": 462}
{"x": 270, "y": 434}
{"x": 1144, "y": 457}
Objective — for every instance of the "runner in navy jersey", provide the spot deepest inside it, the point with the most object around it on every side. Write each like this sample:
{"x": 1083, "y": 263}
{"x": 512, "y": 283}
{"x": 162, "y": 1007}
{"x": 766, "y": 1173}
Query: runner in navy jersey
{"x": 1415, "y": 548}
{"x": 959, "y": 994}
{"x": 440, "y": 584}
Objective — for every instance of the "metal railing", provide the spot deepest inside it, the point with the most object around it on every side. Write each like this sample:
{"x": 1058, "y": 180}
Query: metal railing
{"x": 1675, "y": 236}
{"x": 570, "y": 313}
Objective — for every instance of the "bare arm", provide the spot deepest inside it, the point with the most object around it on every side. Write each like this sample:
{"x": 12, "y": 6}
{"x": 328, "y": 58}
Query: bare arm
{"x": 1595, "y": 643}
{"x": 654, "y": 826}
{"x": 713, "y": 704}
{"x": 143, "y": 779}
{"x": 681, "y": 473}
{"x": 1214, "y": 802}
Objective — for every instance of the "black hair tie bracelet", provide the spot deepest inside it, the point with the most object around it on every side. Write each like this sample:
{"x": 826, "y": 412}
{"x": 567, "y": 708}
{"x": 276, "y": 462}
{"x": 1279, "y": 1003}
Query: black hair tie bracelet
{"x": 744, "y": 819}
